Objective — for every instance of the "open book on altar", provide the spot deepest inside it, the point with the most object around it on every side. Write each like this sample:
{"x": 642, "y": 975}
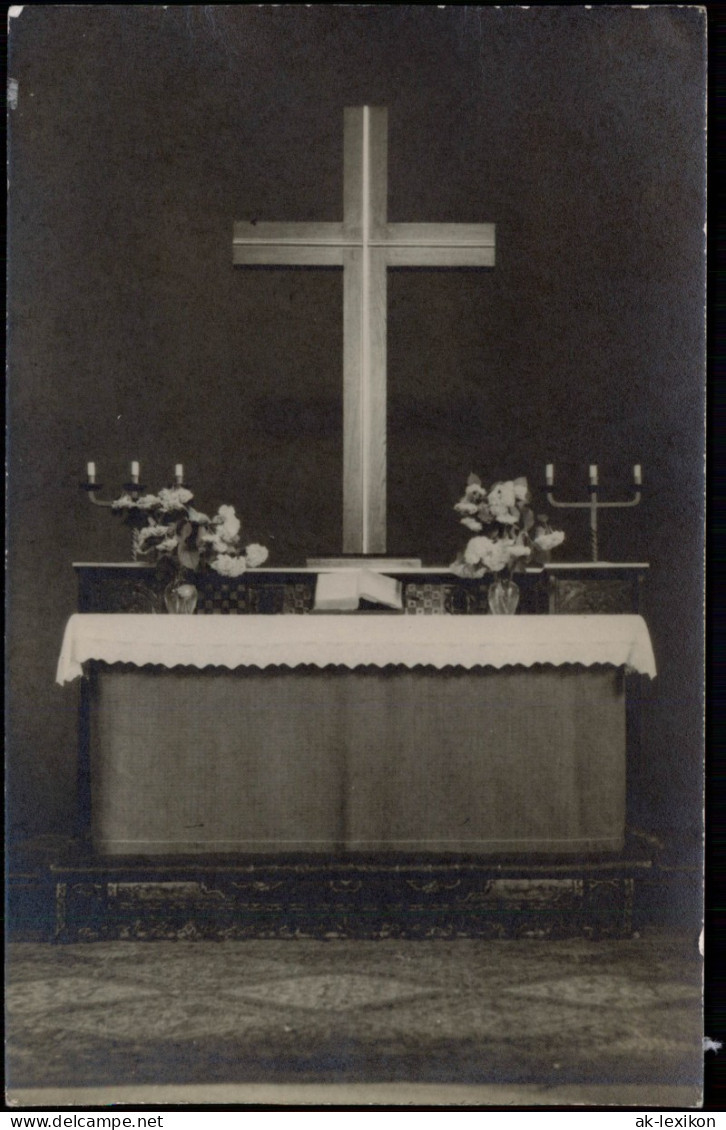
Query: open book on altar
{"x": 343, "y": 591}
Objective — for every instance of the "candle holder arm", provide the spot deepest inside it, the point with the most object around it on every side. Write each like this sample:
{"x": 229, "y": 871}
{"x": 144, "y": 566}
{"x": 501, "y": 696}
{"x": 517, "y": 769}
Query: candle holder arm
{"x": 567, "y": 505}
{"x": 91, "y": 489}
{"x": 634, "y": 501}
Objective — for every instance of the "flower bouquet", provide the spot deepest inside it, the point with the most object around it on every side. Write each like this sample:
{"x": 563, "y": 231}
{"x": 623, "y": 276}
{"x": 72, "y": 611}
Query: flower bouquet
{"x": 508, "y": 537}
{"x": 181, "y": 541}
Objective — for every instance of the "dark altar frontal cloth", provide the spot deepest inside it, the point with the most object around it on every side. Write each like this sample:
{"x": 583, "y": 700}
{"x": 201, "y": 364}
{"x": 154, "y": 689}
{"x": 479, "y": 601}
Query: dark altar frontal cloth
{"x": 370, "y": 759}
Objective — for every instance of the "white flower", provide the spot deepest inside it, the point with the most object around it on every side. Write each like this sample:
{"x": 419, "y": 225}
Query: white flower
{"x": 137, "y": 549}
{"x": 169, "y": 544}
{"x": 229, "y": 566}
{"x": 472, "y": 524}
{"x": 475, "y": 492}
{"x": 152, "y": 531}
{"x": 197, "y": 516}
{"x": 256, "y": 555}
{"x": 499, "y": 557}
{"x": 125, "y": 502}
{"x": 493, "y": 555}
{"x": 163, "y": 539}
{"x": 502, "y": 495}
{"x": 466, "y": 507}
{"x": 511, "y": 551}
{"x": 549, "y": 539}
{"x": 521, "y": 490}
{"x": 505, "y": 516}
{"x": 477, "y": 550}
{"x": 174, "y": 498}
{"x": 147, "y": 502}
{"x": 227, "y": 523}
{"x": 222, "y": 534}
{"x": 502, "y": 503}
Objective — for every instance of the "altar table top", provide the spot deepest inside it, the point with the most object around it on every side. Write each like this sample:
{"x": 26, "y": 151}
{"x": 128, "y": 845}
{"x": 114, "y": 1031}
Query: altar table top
{"x": 354, "y": 640}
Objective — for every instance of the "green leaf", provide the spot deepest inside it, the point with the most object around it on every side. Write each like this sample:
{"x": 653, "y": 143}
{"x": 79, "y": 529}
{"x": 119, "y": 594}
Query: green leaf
{"x": 189, "y": 558}
{"x": 165, "y": 569}
{"x": 187, "y": 552}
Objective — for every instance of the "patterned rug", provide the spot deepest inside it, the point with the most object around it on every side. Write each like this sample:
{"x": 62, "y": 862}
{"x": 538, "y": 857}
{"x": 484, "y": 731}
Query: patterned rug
{"x": 464, "y": 1012}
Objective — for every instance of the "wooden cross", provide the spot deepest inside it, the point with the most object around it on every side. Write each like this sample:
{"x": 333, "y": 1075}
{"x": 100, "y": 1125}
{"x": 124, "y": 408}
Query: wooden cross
{"x": 364, "y": 245}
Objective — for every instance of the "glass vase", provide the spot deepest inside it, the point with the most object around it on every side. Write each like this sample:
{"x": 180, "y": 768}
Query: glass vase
{"x": 180, "y": 597}
{"x": 503, "y": 598}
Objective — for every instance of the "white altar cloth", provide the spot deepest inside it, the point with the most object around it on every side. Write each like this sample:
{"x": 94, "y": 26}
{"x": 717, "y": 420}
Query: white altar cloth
{"x": 355, "y": 640}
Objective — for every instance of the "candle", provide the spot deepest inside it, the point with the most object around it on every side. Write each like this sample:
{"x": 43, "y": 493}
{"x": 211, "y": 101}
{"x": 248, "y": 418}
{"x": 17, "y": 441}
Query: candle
{"x": 593, "y": 474}
{"x": 135, "y": 472}
{"x": 550, "y": 474}
{"x": 179, "y": 473}
{"x": 91, "y": 472}
{"x": 637, "y": 475}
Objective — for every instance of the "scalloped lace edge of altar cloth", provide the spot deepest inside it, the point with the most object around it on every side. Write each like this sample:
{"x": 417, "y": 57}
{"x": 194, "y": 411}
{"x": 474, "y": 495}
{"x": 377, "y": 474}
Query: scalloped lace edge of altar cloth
{"x": 349, "y": 641}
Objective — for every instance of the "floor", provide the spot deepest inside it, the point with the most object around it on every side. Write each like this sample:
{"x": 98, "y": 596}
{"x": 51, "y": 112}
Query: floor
{"x": 522, "y": 1022}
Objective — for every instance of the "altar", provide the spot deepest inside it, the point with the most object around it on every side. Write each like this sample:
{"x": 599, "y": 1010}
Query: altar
{"x": 342, "y": 734}
{"x": 441, "y": 730}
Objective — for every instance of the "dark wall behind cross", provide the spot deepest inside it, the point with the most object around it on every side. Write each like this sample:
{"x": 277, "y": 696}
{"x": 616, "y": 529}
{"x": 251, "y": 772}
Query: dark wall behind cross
{"x": 141, "y": 134}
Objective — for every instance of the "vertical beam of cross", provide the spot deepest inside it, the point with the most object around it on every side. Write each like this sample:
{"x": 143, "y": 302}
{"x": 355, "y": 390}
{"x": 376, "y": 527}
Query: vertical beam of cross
{"x": 365, "y": 245}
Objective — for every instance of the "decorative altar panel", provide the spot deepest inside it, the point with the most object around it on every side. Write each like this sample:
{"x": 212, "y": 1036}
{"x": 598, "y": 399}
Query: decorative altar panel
{"x": 571, "y": 589}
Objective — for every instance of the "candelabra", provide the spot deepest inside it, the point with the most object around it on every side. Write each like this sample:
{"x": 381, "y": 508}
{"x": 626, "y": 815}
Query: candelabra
{"x": 594, "y": 504}
{"x": 133, "y": 487}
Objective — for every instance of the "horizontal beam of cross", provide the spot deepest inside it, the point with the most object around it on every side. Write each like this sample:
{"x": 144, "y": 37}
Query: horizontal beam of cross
{"x": 405, "y": 245}
{"x": 365, "y": 245}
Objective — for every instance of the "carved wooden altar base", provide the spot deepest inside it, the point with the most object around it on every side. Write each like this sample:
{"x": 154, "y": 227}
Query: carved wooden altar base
{"x": 183, "y": 901}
